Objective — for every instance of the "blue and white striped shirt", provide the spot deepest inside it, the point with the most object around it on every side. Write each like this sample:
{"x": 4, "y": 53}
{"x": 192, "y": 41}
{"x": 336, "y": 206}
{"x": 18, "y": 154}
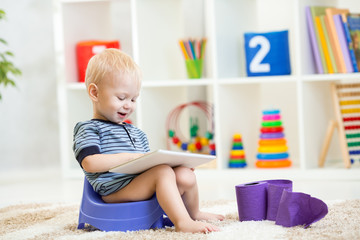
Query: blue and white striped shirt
{"x": 103, "y": 137}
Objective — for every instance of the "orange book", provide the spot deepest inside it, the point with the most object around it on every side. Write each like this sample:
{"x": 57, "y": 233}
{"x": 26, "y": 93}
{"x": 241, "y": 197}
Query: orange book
{"x": 339, "y": 57}
{"x": 319, "y": 26}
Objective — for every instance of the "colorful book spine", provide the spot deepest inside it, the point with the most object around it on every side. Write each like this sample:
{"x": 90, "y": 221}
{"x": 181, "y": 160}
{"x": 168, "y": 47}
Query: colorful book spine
{"x": 324, "y": 25}
{"x": 354, "y": 27}
{"x": 339, "y": 57}
{"x": 332, "y": 46}
{"x": 320, "y": 29}
{"x": 315, "y": 48}
{"x": 343, "y": 42}
{"x": 317, "y": 11}
{"x": 349, "y": 42}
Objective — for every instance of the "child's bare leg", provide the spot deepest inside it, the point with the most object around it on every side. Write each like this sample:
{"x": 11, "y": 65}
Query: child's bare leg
{"x": 162, "y": 180}
{"x": 187, "y": 185}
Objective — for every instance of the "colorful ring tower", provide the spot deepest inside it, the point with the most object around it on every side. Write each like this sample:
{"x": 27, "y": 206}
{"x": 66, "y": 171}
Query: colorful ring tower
{"x": 237, "y": 153}
{"x": 272, "y": 151}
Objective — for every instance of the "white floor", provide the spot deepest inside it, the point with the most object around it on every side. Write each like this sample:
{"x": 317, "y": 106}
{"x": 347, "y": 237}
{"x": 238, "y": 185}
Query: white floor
{"x": 49, "y": 186}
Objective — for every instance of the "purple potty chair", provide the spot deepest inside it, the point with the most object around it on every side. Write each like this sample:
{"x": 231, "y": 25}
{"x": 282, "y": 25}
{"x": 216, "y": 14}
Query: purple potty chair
{"x": 131, "y": 216}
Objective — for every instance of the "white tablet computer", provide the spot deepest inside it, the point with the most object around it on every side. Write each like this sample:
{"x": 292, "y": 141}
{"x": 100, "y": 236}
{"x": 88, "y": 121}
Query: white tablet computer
{"x": 171, "y": 158}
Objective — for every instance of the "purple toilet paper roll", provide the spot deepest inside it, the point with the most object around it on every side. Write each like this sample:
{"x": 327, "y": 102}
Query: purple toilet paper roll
{"x": 251, "y": 201}
{"x": 297, "y": 208}
{"x": 260, "y": 200}
{"x": 275, "y": 190}
{"x": 274, "y": 200}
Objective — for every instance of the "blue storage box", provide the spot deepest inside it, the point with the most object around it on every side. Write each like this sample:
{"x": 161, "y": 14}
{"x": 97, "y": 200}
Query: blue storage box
{"x": 267, "y": 54}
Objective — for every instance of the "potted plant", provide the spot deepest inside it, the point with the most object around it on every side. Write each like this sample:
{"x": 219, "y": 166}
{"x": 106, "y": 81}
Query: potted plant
{"x": 7, "y": 68}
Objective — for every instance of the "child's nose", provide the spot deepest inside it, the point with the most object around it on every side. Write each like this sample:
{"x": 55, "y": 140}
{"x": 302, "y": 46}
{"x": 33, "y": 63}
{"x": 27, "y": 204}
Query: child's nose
{"x": 127, "y": 104}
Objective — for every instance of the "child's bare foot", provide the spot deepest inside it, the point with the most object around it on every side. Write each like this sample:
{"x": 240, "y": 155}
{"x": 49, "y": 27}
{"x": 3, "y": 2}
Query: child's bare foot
{"x": 208, "y": 216}
{"x": 195, "y": 227}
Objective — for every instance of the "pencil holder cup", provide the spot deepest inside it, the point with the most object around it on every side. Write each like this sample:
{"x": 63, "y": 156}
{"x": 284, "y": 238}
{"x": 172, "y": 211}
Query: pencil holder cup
{"x": 194, "y": 68}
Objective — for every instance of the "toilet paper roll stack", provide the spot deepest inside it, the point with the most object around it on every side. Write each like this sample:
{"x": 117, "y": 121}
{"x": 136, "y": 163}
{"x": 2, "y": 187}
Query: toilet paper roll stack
{"x": 274, "y": 200}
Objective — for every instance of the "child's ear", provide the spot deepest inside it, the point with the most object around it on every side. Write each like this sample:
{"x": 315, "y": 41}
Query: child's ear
{"x": 93, "y": 92}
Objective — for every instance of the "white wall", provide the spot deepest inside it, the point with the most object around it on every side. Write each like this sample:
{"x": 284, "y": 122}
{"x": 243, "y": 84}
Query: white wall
{"x": 28, "y": 113}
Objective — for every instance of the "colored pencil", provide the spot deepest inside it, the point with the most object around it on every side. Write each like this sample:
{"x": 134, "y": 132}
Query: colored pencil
{"x": 193, "y": 49}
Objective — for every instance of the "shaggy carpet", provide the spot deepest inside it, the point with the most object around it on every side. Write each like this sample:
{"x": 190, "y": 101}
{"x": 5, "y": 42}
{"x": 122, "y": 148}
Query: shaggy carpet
{"x": 59, "y": 221}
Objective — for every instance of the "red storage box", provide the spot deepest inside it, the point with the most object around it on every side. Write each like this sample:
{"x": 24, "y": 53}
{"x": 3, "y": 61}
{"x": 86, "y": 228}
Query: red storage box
{"x": 86, "y": 49}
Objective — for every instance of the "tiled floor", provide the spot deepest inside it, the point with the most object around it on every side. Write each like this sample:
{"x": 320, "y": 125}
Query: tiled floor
{"x": 49, "y": 186}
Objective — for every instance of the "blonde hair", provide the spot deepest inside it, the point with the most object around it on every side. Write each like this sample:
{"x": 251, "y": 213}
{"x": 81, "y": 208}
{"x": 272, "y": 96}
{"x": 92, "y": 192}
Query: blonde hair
{"x": 111, "y": 61}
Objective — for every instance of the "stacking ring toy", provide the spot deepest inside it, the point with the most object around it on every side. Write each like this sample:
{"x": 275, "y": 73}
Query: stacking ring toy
{"x": 272, "y": 135}
{"x": 271, "y": 117}
{"x": 271, "y": 124}
{"x": 237, "y": 152}
{"x": 272, "y": 156}
{"x": 272, "y": 142}
{"x": 271, "y": 112}
{"x": 271, "y": 129}
{"x": 237, "y": 164}
{"x": 273, "y": 164}
{"x": 273, "y": 149}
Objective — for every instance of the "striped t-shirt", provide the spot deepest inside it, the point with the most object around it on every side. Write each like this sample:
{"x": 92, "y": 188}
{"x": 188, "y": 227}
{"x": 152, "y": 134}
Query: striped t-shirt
{"x": 103, "y": 137}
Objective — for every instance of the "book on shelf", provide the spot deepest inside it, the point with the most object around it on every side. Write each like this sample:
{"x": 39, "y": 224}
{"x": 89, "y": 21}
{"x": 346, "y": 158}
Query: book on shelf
{"x": 339, "y": 56}
{"x": 317, "y": 11}
{"x": 335, "y": 39}
{"x": 349, "y": 42}
{"x": 323, "y": 45}
{"x": 328, "y": 46}
{"x": 313, "y": 41}
{"x": 354, "y": 27}
{"x": 343, "y": 42}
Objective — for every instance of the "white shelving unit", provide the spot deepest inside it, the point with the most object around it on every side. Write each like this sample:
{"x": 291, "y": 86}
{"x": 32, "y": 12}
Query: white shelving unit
{"x": 149, "y": 31}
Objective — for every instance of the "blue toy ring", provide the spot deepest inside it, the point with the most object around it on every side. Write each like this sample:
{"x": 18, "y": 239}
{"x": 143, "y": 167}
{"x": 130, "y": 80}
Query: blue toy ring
{"x": 271, "y": 112}
{"x": 273, "y": 156}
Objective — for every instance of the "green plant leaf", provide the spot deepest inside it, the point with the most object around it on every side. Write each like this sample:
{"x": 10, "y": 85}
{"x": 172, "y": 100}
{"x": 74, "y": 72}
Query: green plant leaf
{"x": 3, "y": 41}
{"x": 9, "y": 53}
{"x": 7, "y": 68}
{"x": 2, "y": 14}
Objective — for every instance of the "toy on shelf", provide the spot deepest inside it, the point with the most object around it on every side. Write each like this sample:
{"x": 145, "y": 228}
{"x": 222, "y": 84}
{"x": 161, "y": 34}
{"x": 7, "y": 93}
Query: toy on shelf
{"x": 346, "y": 103}
{"x": 196, "y": 143}
{"x": 193, "y": 52}
{"x": 86, "y": 49}
{"x": 237, "y": 153}
{"x": 272, "y": 151}
{"x": 267, "y": 54}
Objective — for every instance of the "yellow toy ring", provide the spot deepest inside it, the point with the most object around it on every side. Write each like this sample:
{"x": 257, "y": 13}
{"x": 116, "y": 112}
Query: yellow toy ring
{"x": 272, "y": 149}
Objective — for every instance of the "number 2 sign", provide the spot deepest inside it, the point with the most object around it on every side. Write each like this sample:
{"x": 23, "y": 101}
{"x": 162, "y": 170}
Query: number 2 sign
{"x": 267, "y": 53}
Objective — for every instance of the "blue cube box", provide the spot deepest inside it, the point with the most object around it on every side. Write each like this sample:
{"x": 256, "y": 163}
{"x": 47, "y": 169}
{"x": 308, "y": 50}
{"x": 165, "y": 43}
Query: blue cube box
{"x": 267, "y": 54}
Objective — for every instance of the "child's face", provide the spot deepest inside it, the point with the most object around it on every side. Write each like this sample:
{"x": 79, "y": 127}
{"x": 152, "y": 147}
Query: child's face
{"x": 116, "y": 98}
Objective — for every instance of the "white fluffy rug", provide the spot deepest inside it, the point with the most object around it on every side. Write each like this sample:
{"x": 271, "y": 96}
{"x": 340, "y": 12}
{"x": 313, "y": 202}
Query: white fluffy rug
{"x": 59, "y": 221}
